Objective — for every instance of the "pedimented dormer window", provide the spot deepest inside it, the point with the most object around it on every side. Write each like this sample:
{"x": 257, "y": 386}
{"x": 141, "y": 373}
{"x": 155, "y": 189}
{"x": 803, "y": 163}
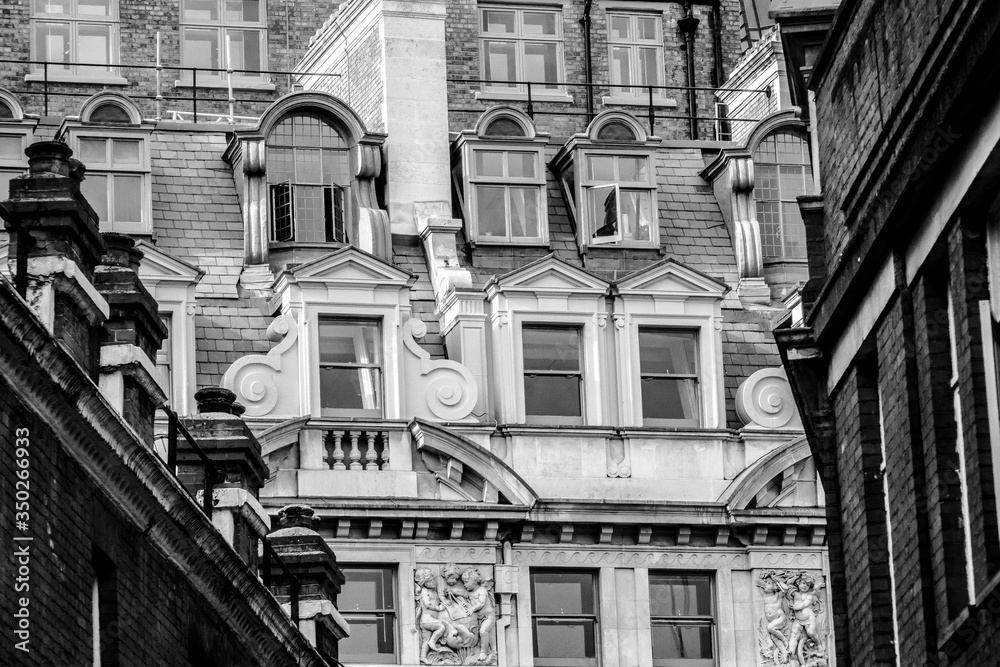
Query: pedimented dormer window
{"x": 499, "y": 178}
{"x": 608, "y": 177}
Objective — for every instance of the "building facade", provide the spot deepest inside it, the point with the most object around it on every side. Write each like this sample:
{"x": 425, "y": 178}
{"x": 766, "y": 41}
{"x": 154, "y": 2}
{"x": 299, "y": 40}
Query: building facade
{"x": 894, "y": 366}
{"x": 495, "y": 284}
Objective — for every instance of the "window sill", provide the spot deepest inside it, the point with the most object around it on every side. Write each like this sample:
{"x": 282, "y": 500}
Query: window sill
{"x": 638, "y": 101}
{"x": 517, "y": 95}
{"x": 238, "y": 84}
{"x": 494, "y": 243}
{"x": 84, "y": 79}
{"x": 625, "y": 245}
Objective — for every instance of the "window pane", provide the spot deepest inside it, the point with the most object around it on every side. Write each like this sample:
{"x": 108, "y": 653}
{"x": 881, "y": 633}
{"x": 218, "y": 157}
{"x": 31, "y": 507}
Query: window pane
{"x": 244, "y": 49}
{"x": 310, "y": 213}
{"x": 336, "y": 167}
{"x": 52, "y": 42}
{"x": 499, "y": 21}
{"x": 522, "y": 165}
{"x": 669, "y": 398}
{"x": 200, "y": 10}
{"x": 124, "y": 152}
{"x": 94, "y": 7}
{"x": 94, "y": 44}
{"x": 604, "y": 211}
{"x": 539, "y": 23}
{"x": 366, "y": 589}
{"x": 564, "y": 639}
{"x": 95, "y": 191}
{"x": 57, "y": 7}
{"x": 200, "y": 48}
{"x": 602, "y": 168}
{"x": 243, "y": 10}
{"x": 309, "y": 166}
{"x": 637, "y": 216}
{"x": 10, "y": 147}
{"x": 128, "y": 198}
{"x": 648, "y": 73}
{"x": 620, "y": 72}
{"x": 646, "y": 27}
{"x": 346, "y": 342}
{"x": 281, "y": 212}
{"x": 792, "y": 182}
{"x": 350, "y": 388}
{"x": 618, "y": 27}
{"x": 551, "y": 349}
{"x": 500, "y": 61}
{"x": 372, "y": 637}
{"x": 794, "y": 232}
{"x": 490, "y": 214}
{"x": 489, "y": 163}
{"x": 766, "y": 182}
{"x": 678, "y": 641}
{"x": 562, "y": 593}
{"x": 524, "y": 212}
{"x": 632, "y": 169}
{"x": 5, "y": 178}
{"x": 540, "y": 63}
{"x": 770, "y": 229}
{"x": 680, "y": 594}
{"x": 280, "y": 165}
{"x": 552, "y": 395}
{"x": 667, "y": 352}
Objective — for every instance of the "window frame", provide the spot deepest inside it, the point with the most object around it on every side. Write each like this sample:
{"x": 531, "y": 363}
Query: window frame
{"x": 686, "y": 621}
{"x": 394, "y": 612}
{"x": 594, "y": 618}
{"x": 518, "y": 38}
{"x": 73, "y": 21}
{"x": 9, "y": 165}
{"x": 380, "y": 346}
{"x": 585, "y": 186}
{"x": 222, "y": 26}
{"x": 580, "y": 374}
{"x": 143, "y": 170}
{"x": 697, "y": 377}
{"x": 634, "y": 45}
{"x": 781, "y": 201}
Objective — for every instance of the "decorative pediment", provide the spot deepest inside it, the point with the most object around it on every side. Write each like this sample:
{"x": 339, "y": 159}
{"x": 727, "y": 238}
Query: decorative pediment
{"x": 159, "y": 266}
{"x": 672, "y": 278}
{"x": 550, "y": 274}
{"x": 352, "y": 266}
{"x": 785, "y": 477}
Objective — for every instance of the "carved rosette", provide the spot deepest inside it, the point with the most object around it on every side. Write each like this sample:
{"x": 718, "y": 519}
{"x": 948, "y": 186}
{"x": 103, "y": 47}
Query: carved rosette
{"x": 446, "y": 389}
{"x": 456, "y": 615}
{"x": 765, "y": 400}
{"x": 792, "y": 631}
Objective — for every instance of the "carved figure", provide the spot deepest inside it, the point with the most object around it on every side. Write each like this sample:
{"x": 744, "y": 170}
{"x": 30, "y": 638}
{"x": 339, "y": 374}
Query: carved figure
{"x": 790, "y": 634}
{"x": 456, "y": 615}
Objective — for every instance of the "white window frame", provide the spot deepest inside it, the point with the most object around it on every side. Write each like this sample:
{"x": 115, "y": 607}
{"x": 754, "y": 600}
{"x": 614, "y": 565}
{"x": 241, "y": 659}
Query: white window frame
{"x": 699, "y": 336}
{"x": 337, "y": 413}
{"x": 473, "y": 180}
{"x": 781, "y": 201}
{"x": 594, "y": 617}
{"x": 539, "y": 90}
{"x": 222, "y": 28}
{"x": 692, "y": 621}
{"x": 143, "y": 170}
{"x": 633, "y": 45}
{"x": 396, "y": 610}
{"x": 587, "y": 186}
{"x": 584, "y": 362}
{"x": 98, "y": 73}
{"x": 9, "y": 165}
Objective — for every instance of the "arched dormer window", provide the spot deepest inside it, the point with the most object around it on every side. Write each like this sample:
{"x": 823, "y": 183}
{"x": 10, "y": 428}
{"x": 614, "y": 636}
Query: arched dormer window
{"x": 782, "y": 172}
{"x": 10, "y": 109}
{"x": 308, "y": 178}
{"x": 110, "y": 108}
{"x": 499, "y": 177}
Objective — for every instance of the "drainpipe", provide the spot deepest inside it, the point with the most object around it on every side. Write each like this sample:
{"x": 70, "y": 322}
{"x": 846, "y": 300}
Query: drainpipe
{"x": 720, "y": 69}
{"x": 585, "y": 22}
{"x": 688, "y": 25}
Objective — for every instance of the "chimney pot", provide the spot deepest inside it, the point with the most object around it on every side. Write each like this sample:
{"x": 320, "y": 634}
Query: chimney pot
{"x": 297, "y": 516}
{"x": 121, "y": 251}
{"x": 218, "y": 399}
{"x": 49, "y": 157}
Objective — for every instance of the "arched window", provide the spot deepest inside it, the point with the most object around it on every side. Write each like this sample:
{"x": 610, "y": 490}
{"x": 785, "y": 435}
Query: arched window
{"x": 6, "y": 113}
{"x": 783, "y": 171}
{"x": 109, "y": 112}
{"x": 308, "y": 176}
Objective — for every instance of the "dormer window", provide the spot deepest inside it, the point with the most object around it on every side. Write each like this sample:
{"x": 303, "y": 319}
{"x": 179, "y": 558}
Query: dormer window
{"x": 608, "y": 178}
{"x": 782, "y": 172}
{"x": 308, "y": 176}
{"x": 500, "y": 180}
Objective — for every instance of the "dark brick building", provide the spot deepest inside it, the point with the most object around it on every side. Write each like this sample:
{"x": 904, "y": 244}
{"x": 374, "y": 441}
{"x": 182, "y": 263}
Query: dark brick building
{"x": 895, "y": 367}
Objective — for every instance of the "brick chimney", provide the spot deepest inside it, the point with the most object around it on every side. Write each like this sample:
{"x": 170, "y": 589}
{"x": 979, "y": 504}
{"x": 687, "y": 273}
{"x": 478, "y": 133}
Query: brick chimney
{"x": 241, "y": 472}
{"x": 313, "y": 563}
{"x": 133, "y": 335}
{"x": 55, "y": 245}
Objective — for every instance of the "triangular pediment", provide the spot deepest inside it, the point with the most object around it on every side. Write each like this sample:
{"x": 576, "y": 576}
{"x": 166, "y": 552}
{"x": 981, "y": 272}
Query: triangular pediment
{"x": 672, "y": 278}
{"x": 350, "y": 265}
{"x": 157, "y": 264}
{"x": 551, "y": 274}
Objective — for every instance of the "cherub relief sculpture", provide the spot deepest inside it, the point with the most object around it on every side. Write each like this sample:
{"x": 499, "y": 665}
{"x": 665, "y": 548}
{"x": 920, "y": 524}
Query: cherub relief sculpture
{"x": 790, "y": 634}
{"x": 456, "y": 616}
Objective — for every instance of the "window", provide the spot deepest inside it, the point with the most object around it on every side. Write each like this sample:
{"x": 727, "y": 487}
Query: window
{"x": 221, "y": 34}
{"x": 350, "y": 360}
{"x": 668, "y": 368}
{"x": 635, "y": 53}
{"x": 508, "y": 195}
{"x": 12, "y": 161}
{"x": 783, "y": 172}
{"x": 682, "y": 619}
{"x": 308, "y": 175}
{"x": 520, "y": 45}
{"x": 553, "y": 380}
{"x": 367, "y": 602}
{"x": 70, "y": 31}
{"x": 117, "y": 182}
{"x": 164, "y": 360}
{"x": 619, "y": 192}
{"x": 564, "y": 618}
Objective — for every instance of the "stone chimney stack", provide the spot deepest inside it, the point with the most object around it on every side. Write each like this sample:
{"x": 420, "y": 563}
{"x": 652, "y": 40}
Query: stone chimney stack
{"x": 313, "y": 563}
{"x": 55, "y": 245}
{"x": 133, "y": 335}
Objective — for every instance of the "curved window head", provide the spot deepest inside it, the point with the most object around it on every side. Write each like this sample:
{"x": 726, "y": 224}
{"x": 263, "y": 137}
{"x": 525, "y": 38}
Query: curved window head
{"x": 504, "y": 127}
{"x": 616, "y": 131}
{"x": 6, "y": 113}
{"x": 783, "y": 171}
{"x": 109, "y": 113}
{"x": 309, "y": 177}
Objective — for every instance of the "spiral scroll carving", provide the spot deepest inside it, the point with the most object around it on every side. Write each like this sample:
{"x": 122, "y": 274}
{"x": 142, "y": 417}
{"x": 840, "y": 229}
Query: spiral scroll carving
{"x": 255, "y": 378}
{"x": 448, "y": 388}
{"x": 765, "y": 400}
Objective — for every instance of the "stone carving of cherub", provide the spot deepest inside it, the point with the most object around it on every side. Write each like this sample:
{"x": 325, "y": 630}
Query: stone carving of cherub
{"x": 431, "y": 622}
{"x": 482, "y": 606}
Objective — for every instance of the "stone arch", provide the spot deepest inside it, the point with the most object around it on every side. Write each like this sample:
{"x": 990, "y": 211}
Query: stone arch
{"x": 611, "y": 117}
{"x": 784, "y": 477}
{"x": 497, "y": 113}
{"x": 120, "y": 101}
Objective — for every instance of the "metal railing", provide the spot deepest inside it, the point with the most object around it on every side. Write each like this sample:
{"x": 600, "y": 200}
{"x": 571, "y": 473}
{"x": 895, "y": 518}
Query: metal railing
{"x": 651, "y": 99}
{"x": 174, "y": 427}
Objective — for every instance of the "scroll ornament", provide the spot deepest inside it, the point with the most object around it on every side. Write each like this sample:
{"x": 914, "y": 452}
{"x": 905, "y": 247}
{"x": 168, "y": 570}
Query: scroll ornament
{"x": 448, "y": 389}
{"x": 764, "y": 400}
{"x": 255, "y": 378}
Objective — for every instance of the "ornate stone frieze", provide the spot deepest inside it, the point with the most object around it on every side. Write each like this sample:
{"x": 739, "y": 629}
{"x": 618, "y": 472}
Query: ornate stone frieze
{"x": 764, "y": 400}
{"x": 455, "y": 614}
{"x": 452, "y": 554}
{"x": 792, "y": 631}
{"x": 696, "y": 559}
